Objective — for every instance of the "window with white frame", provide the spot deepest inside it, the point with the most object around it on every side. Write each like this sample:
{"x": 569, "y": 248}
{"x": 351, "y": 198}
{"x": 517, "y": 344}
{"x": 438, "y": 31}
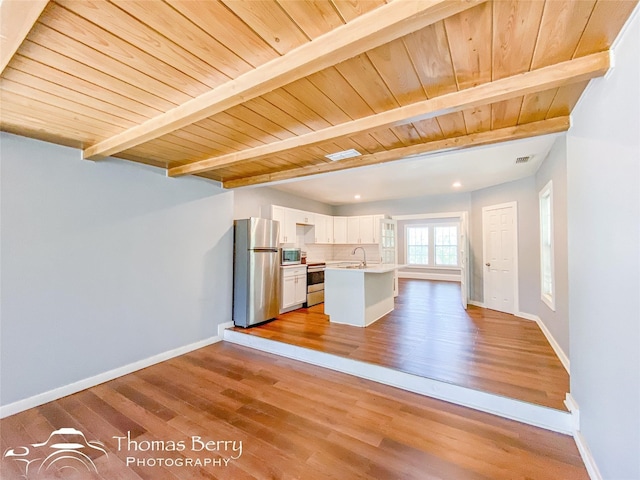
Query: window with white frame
{"x": 433, "y": 244}
{"x": 417, "y": 244}
{"x": 445, "y": 245}
{"x": 547, "y": 274}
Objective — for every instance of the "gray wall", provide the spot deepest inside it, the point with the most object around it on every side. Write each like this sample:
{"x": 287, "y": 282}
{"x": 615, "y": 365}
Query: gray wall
{"x": 456, "y": 202}
{"x": 250, "y": 202}
{"x": 103, "y": 264}
{"x": 554, "y": 168}
{"x": 603, "y": 182}
{"x": 525, "y": 194}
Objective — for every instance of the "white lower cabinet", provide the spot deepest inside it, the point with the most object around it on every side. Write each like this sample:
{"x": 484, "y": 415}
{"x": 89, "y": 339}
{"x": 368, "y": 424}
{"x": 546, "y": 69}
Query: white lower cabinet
{"x": 293, "y": 287}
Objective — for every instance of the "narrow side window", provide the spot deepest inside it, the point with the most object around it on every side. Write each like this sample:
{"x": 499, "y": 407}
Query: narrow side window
{"x": 547, "y": 274}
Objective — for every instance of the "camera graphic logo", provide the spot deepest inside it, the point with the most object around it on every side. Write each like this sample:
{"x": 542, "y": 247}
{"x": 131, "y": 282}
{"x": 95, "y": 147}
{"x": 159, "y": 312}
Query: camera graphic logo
{"x": 66, "y": 453}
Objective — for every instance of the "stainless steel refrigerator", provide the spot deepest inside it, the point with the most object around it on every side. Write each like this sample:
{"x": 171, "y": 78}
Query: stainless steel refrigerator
{"x": 256, "y": 271}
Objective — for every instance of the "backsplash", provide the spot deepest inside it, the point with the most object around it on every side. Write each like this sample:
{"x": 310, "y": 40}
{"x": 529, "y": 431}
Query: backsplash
{"x": 341, "y": 252}
{"x": 318, "y": 252}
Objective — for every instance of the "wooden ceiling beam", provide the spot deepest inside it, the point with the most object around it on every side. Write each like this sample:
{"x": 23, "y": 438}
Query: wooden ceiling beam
{"x": 375, "y": 28}
{"x": 17, "y": 18}
{"x": 553, "y": 76}
{"x": 544, "y": 127}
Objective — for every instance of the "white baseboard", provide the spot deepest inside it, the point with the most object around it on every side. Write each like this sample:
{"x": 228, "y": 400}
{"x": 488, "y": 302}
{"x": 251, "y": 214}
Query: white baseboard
{"x": 222, "y": 327}
{"x": 564, "y": 359}
{"x": 445, "y": 277}
{"x": 587, "y": 458}
{"x": 56, "y": 393}
{"x": 547, "y": 418}
{"x": 476, "y": 304}
{"x": 527, "y": 316}
{"x": 572, "y": 406}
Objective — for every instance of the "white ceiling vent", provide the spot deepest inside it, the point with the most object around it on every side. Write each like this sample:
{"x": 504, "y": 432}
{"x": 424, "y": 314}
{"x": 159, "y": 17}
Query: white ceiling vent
{"x": 524, "y": 159}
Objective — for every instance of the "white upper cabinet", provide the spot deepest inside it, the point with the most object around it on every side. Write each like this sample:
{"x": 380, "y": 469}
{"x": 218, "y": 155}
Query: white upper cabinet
{"x": 363, "y": 229}
{"x": 301, "y": 217}
{"x": 377, "y": 228}
{"x": 340, "y": 230}
{"x": 323, "y": 229}
{"x": 326, "y": 228}
{"x": 353, "y": 229}
{"x": 287, "y": 218}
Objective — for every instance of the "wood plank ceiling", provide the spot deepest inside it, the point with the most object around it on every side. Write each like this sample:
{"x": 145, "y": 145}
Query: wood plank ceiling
{"x": 247, "y": 92}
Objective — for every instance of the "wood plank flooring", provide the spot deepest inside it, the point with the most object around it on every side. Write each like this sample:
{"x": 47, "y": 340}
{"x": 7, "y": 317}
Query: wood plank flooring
{"x": 295, "y": 421}
{"x": 429, "y": 334}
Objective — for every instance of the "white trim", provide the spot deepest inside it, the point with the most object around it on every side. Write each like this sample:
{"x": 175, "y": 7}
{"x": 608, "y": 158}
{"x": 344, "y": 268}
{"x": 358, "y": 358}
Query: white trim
{"x": 543, "y": 417}
{"x": 223, "y": 326}
{"x": 476, "y": 304}
{"x": 572, "y": 406}
{"x": 446, "y": 277}
{"x": 564, "y": 359}
{"x": 431, "y": 267}
{"x": 75, "y": 387}
{"x": 425, "y": 216}
{"x": 516, "y": 281}
{"x": 587, "y": 457}
{"x": 527, "y": 316}
{"x": 581, "y": 443}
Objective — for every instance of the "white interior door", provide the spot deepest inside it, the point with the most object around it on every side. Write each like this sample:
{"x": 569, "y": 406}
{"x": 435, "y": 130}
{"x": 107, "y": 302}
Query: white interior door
{"x": 464, "y": 259}
{"x": 389, "y": 247}
{"x": 500, "y": 244}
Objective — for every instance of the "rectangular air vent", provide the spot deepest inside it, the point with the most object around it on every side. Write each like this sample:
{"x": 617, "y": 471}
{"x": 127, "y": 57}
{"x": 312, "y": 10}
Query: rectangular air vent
{"x": 523, "y": 159}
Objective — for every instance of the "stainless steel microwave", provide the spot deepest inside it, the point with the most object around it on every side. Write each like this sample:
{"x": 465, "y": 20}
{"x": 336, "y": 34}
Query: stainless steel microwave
{"x": 290, "y": 256}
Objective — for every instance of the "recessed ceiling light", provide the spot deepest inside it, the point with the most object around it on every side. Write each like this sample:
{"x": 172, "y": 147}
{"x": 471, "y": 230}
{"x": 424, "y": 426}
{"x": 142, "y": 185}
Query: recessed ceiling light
{"x": 357, "y": 197}
{"x": 457, "y": 184}
{"x": 344, "y": 154}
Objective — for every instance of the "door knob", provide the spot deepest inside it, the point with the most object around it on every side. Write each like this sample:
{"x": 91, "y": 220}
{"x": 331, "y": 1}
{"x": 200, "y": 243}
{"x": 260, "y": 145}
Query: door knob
{"x": 488, "y": 264}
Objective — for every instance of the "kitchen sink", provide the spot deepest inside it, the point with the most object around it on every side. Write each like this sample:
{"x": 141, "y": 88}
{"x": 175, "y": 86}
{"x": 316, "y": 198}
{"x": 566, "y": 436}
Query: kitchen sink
{"x": 355, "y": 266}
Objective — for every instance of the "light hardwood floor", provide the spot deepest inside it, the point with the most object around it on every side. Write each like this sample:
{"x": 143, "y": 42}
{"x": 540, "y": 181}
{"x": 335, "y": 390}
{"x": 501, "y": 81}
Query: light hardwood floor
{"x": 429, "y": 334}
{"x": 295, "y": 421}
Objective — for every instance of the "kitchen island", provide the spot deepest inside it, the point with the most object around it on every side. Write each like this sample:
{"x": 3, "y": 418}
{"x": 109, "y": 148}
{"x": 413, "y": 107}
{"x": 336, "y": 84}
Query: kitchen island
{"x": 359, "y": 296}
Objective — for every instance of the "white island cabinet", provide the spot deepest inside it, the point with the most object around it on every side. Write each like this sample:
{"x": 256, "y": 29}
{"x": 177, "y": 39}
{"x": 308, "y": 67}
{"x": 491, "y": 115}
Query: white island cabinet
{"x": 358, "y": 296}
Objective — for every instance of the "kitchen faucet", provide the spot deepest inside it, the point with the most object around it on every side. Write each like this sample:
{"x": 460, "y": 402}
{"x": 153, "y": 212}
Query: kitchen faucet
{"x": 364, "y": 263}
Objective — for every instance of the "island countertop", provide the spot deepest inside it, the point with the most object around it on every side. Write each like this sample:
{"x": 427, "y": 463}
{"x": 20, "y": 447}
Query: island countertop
{"x": 375, "y": 268}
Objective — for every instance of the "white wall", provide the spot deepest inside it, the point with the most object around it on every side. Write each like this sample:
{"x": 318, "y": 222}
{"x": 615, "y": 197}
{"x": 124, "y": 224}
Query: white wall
{"x": 524, "y": 193}
{"x": 603, "y": 181}
{"x": 249, "y": 202}
{"x": 554, "y": 168}
{"x": 103, "y": 264}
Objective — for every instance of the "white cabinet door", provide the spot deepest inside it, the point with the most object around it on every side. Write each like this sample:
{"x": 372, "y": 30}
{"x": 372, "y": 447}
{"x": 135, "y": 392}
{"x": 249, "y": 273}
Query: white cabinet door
{"x": 288, "y": 233}
{"x": 377, "y": 228}
{"x": 366, "y": 229}
{"x": 361, "y": 229}
{"x": 301, "y": 289}
{"x": 353, "y": 229}
{"x": 320, "y": 229}
{"x": 288, "y": 292}
{"x": 328, "y": 229}
{"x": 323, "y": 228}
{"x": 339, "y": 229}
